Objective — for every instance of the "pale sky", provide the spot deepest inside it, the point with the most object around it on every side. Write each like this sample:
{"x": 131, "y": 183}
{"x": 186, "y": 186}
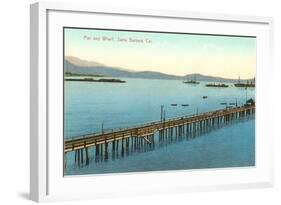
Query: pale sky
{"x": 177, "y": 54}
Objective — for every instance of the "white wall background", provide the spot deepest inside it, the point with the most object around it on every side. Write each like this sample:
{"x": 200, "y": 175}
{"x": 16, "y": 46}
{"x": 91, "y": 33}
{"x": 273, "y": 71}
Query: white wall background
{"x": 14, "y": 101}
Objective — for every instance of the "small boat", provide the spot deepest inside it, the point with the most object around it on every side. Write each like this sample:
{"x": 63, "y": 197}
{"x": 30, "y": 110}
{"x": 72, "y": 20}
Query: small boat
{"x": 184, "y": 105}
{"x": 192, "y": 81}
{"x": 232, "y": 103}
{"x": 224, "y": 103}
{"x": 205, "y": 97}
{"x": 174, "y": 104}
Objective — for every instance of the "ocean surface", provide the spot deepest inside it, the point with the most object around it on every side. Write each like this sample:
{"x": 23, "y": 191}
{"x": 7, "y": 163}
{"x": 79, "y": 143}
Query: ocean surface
{"x": 92, "y": 107}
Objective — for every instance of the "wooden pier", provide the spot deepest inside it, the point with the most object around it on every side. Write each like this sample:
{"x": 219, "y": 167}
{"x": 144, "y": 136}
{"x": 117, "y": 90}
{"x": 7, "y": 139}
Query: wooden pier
{"x": 146, "y": 137}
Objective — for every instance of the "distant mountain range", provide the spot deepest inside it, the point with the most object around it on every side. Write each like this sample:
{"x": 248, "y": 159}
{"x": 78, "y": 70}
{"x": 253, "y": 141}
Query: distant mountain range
{"x": 79, "y": 66}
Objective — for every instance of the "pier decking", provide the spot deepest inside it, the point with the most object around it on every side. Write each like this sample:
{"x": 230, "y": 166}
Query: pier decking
{"x": 144, "y": 136}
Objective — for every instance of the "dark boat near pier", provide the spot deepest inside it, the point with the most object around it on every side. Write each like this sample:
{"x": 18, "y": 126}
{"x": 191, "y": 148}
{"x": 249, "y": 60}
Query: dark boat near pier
{"x": 250, "y": 102}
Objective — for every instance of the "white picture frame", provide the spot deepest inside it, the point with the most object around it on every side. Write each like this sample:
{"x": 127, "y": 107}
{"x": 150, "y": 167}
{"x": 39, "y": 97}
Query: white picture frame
{"x": 46, "y": 179}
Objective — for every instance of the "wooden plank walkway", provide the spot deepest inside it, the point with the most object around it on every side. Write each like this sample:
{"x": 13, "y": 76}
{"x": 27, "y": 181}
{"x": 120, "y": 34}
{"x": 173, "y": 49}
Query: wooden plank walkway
{"x": 144, "y": 135}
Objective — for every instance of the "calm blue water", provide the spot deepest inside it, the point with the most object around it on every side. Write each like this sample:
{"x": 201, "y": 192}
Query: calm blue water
{"x": 91, "y": 106}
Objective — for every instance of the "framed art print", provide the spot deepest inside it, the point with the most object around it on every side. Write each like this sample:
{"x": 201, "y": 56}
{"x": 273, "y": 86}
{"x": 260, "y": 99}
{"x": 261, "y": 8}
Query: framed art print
{"x": 154, "y": 101}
